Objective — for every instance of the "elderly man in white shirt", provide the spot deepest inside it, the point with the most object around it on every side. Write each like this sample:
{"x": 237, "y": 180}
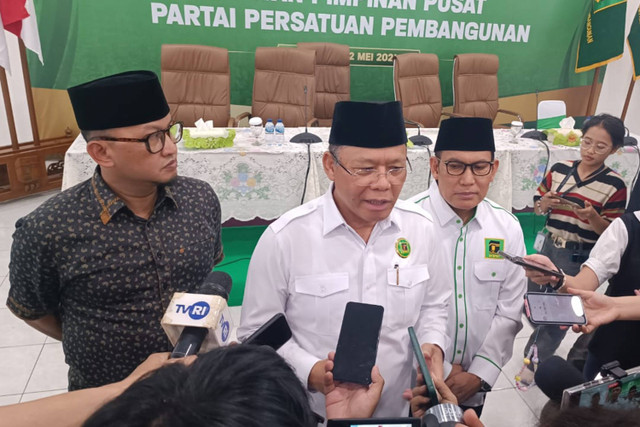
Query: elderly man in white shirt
{"x": 486, "y": 305}
{"x": 355, "y": 243}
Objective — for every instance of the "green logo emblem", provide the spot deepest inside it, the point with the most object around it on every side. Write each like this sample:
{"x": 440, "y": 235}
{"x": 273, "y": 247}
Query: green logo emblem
{"x": 243, "y": 184}
{"x": 491, "y": 248}
{"x": 403, "y": 248}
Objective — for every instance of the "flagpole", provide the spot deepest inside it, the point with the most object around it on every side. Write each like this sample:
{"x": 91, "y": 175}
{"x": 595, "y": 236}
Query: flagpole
{"x": 8, "y": 109}
{"x": 29, "y": 92}
{"x": 626, "y": 101}
{"x": 592, "y": 94}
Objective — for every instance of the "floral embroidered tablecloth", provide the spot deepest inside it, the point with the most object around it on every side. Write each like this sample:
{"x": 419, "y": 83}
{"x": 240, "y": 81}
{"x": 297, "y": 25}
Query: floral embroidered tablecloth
{"x": 268, "y": 179}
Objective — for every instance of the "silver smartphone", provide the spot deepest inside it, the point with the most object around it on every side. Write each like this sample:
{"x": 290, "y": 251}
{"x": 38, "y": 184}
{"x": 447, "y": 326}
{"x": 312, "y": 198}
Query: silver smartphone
{"x": 554, "y": 309}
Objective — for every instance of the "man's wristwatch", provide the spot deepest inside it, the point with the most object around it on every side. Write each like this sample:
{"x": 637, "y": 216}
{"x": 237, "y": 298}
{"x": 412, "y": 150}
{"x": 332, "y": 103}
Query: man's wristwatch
{"x": 484, "y": 386}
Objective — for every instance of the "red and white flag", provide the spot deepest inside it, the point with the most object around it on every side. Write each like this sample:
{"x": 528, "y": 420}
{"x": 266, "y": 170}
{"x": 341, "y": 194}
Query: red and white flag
{"x": 4, "y": 51}
{"x": 13, "y": 12}
{"x": 29, "y": 34}
{"x": 19, "y": 18}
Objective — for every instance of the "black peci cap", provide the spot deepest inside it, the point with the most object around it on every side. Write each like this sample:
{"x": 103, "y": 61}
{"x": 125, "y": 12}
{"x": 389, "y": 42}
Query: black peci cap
{"x": 465, "y": 134}
{"x": 121, "y": 100}
{"x": 368, "y": 124}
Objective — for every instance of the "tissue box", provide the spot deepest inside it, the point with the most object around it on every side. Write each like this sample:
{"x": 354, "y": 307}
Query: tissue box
{"x": 568, "y": 137}
{"x": 209, "y": 142}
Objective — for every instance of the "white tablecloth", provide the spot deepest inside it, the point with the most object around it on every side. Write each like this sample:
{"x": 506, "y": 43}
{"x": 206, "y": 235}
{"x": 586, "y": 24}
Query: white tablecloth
{"x": 267, "y": 180}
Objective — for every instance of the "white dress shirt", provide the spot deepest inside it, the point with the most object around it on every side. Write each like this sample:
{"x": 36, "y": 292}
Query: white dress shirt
{"x": 486, "y": 306}
{"x": 309, "y": 263}
{"x": 604, "y": 258}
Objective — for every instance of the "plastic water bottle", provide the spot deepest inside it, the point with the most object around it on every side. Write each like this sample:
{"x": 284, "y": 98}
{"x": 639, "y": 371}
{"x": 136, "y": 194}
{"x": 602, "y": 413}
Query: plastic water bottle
{"x": 269, "y": 130}
{"x": 279, "y": 132}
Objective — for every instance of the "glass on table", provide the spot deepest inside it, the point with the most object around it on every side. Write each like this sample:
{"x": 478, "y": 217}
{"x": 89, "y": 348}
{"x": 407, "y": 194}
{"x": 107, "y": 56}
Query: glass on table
{"x": 515, "y": 129}
{"x": 255, "y": 124}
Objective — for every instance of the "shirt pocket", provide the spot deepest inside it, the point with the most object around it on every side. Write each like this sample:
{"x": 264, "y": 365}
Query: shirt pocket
{"x": 322, "y": 299}
{"x": 488, "y": 277}
{"x": 405, "y": 292}
{"x": 194, "y": 240}
{"x": 192, "y": 254}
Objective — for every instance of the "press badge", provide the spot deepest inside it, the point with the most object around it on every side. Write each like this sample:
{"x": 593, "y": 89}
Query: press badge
{"x": 539, "y": 242}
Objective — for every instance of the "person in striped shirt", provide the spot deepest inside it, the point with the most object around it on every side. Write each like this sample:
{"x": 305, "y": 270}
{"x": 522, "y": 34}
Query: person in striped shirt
{"x": 580, "y": 199}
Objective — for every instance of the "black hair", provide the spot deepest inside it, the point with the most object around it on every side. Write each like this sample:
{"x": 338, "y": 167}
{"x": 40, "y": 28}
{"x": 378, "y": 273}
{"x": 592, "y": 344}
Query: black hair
{"x": 333, "y": 149}
{"x": 239, "y": 386}
{"x": 613, "y": 125}
{"x": 87, "y": 134}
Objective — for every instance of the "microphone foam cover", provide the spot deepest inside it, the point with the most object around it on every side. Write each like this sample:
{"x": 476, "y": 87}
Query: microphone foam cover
{"x": 554, "y": 375}
{"x": 216, "y": 283}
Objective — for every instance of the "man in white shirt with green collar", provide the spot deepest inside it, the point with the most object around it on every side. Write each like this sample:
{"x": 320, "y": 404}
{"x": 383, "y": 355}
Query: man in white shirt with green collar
{"x": 486, "y": 305}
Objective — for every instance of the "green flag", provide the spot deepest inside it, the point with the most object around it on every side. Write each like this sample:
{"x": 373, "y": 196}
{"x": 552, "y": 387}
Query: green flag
{"x": 599, "y": 5}
{"x": 633, "y": 39}
{"x": 602, "y": 39}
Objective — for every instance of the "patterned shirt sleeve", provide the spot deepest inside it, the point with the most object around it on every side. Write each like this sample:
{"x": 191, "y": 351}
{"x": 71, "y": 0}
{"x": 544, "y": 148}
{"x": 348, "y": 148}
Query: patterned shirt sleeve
{"x": 34, "y": 291}
{"x": 217, "y": 227}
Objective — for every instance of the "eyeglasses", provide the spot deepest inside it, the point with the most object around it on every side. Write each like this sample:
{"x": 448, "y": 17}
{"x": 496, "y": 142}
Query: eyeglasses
{"x": 154, "y": 141}
{"x": 598, "y": 148}
{"x": 456, "y": 168}
{"x": 369, "y": 176}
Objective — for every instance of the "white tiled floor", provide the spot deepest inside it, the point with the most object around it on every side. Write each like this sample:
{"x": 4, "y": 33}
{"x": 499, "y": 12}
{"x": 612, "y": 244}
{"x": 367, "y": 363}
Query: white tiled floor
{"x": 32, "y": 365}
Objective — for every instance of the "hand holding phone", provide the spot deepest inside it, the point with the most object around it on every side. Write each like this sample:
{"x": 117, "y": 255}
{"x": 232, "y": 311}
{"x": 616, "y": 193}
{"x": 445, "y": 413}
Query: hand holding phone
{"x": 521, "y": 262}
{"x": 358, "y": 343}
{"x": 274, "y": 333}
{"x": 424, "y": 370}
{"x": 571, "y": 202}
{"x": 343, "y": 400}
{"x": 554, "y": 309}
{"x": 602, "y": 309}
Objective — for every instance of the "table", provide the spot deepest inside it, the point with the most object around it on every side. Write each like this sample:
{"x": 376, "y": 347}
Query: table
{"x": 267, "y": 180}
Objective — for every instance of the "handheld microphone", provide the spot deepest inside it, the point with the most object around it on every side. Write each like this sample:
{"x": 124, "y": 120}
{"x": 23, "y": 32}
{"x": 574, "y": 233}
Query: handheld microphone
{"x": 202, "y": 320}
{"x": 554, "y": 375}
{"x": 306, "y": 136}
{"x": 418, "y": 139}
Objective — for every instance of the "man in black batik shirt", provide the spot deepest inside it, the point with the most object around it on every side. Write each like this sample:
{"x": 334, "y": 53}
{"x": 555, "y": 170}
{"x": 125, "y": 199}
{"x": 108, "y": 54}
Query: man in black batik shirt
{"x": 96, "y": 265}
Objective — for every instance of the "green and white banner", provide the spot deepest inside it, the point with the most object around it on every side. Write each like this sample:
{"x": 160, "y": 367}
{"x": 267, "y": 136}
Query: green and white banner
{"x": 602, "y": 39}
{"x": 536, "y": 41}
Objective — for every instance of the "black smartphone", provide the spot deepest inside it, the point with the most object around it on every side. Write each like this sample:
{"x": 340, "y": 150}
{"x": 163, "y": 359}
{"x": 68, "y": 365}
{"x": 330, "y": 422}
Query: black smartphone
{"x": 554, "y": 309}
{"x": 274, "y": 333}
{"x": 358, "y": 343}
{"x": 572, "y": 202}
{"x": 519, "y": 261}
{"x": 422, "y": 364}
